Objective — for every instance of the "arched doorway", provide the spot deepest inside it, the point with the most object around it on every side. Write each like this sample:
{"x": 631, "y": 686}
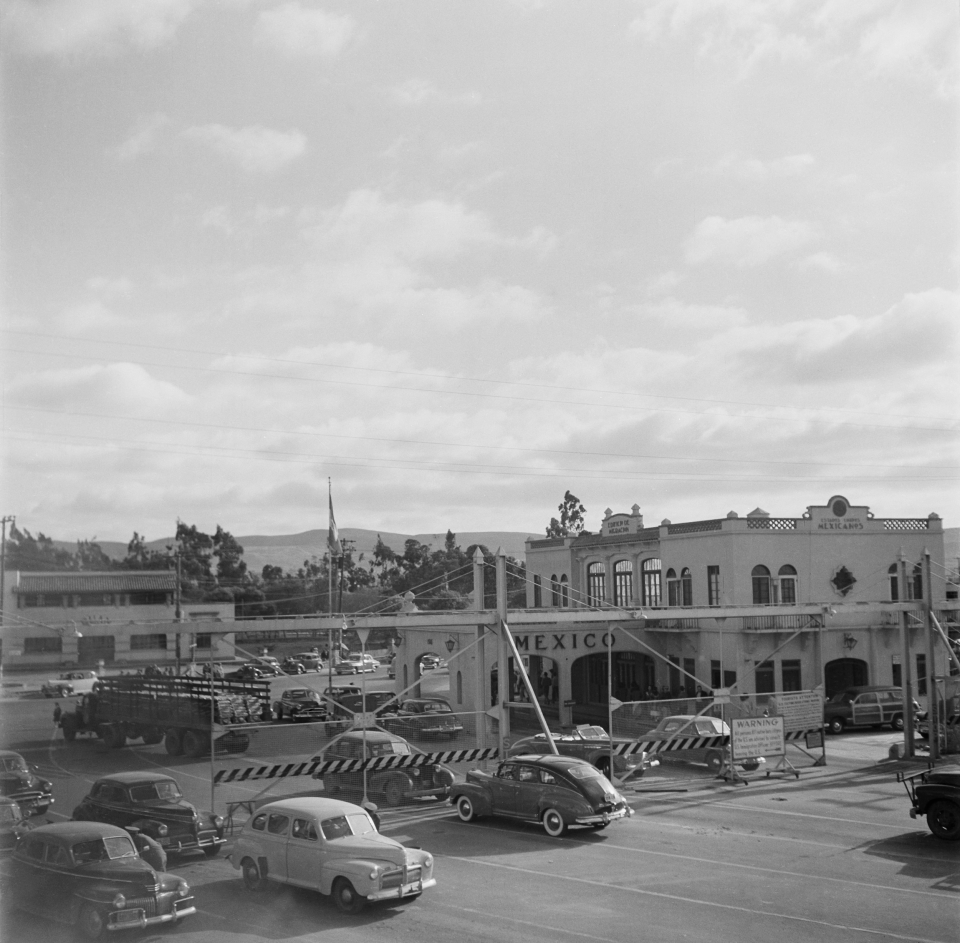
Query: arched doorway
{"x": 633, "y": 673}
{"x": 434, "y": 676}
{"x": 842, "y": 673}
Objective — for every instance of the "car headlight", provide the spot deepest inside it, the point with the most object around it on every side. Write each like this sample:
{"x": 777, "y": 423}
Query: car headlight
{"x": 217, "y": 821}
{"x": 162, "y": 831}
{"x": 428, "y": 861}
{"x": 183, "y": 889}
{"x": 374, "y": 873}
{"x": 119, "y": 901}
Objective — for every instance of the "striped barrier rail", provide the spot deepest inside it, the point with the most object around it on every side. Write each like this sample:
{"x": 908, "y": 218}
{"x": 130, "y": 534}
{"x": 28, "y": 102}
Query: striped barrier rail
{"x": 693, "y": 743}
{"x": 318, "y": 766}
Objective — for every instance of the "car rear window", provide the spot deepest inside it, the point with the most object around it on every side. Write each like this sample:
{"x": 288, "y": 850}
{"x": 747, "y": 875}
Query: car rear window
{"x": 584, "y": 772}
{"x": 340, "y": 826}
{"x": 152, "y": 791}
{"x": 104, "y": 849}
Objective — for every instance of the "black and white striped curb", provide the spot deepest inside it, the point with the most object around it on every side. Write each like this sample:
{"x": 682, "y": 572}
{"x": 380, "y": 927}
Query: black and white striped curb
{"x": 317, "y": 767}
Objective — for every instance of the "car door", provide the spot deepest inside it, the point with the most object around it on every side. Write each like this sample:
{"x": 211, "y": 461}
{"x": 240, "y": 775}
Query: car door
{"x": 304, "y": 853}
{"x": 503, "y": 788}
{"x": 528, "y": 791}
{"x": 866, "y": 709}
{"x": 274, "y": 840}
{"x": 30, "y": 884}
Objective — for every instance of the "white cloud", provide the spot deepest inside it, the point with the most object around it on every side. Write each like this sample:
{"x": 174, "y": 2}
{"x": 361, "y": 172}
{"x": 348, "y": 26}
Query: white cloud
{"x": 92, "y": 316}
{"x": 143, "y": 137}
{"x": 748, "y": 241}
{"x": 415, "y": 92}
{"x": 297, "y": 31}
{"x": 753, "y": 168}
{"x": 255, "y": 149}
{"x": 110, "y": 287}
{"x": 59, "y": 27}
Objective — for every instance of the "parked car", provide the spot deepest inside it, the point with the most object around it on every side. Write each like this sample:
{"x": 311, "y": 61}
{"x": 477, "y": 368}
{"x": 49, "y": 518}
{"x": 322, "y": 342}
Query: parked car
{"x": 292, "y": 666}
{"x": 553, "y": 791}
{"x": 332, "y": 847}
{"x": 13, "y": 825}
{"x": 310, "y": 660}
{"x": 357, "y": 664}
{"x": 254, "y": 672}
{"x": 591, "y": 743}
{"x": 426, "y": 718}
{"x": 154, "y": 803}
{"x": 89, "y": 875}
{"x": 20, "y": 782}
{"x": 393, "y": 785}
{"x": 301, "y": 704}
{"x": 429, "y": 662}
{"x": 865, "y": 706}
{"x": 697, "y": 726}
{"x": 935, "y": 793}
{"x": 70, "y": 683}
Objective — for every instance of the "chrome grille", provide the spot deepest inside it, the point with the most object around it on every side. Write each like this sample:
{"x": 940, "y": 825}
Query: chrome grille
{"x": 391, "y": 879}
{"x": 147, "y": 904}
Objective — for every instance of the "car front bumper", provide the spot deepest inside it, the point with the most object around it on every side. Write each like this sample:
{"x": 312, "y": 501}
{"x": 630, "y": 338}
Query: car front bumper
{"x": 404, "y": 890}
{"x": 136, "y": 918}
{"x": 178, "y": 843}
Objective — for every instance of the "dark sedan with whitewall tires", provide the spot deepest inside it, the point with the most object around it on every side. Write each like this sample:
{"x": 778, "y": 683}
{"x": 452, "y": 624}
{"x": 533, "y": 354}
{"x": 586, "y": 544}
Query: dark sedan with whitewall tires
{"x": 556, "y": 792}
{"x": 90, "y": 876}
{"x": 153, "y": 803}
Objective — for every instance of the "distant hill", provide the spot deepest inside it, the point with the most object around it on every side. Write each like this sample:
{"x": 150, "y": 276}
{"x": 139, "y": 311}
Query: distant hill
{"x": 289, "y": 551}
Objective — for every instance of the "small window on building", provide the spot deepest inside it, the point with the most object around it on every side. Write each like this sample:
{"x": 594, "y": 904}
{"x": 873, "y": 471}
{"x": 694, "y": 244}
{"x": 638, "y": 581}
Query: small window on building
{"x": 686, "y": 587}
{"x": 713, "y": 587}
{"x": 673, "y": 588}
{"x": 41, "y": 645}
{"x": 554, "y": 592}
{"x": 204, "y": 640}
{"x": 564, "y": 591}
{"x": 139, "y": 643}
{"x": 761, "y": 585}
{"x": 917, "y": 582}
{"x": 765, "y": 679}
{"x": 894, "y": 583}
{"x": 922, "y": 675}
{"x": 715, "y": 678}
{"x": 651, "y": 581}
{"x": 537, "y": 592}
{"x": 790, "y": 674}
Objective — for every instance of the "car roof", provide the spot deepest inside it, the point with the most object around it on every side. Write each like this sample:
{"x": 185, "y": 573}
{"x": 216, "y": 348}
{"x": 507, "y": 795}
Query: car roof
{"x": 549, "y": 759}
{"x": 373, "y": 736}
{"x": 320, "y": 806}
{"x": 132, "y": 778}
{"x": 10, "y": 753}
{"x": 66, "y": 833}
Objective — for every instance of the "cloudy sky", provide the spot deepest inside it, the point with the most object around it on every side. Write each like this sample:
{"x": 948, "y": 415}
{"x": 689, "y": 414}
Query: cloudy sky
{"x": 697, "y": 255}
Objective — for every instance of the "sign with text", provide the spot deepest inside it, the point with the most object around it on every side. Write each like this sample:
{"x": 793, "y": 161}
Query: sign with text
{"x": 756, "y": 736}
{"x": 800, "y": 711}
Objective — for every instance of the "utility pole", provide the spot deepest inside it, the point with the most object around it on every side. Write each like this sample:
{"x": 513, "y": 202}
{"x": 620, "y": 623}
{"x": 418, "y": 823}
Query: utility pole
{"x": 7, "y": 519}
{"x": 933, "y": 706}
{"x": 178, "y": 612}
{"x": 906, "y": 674}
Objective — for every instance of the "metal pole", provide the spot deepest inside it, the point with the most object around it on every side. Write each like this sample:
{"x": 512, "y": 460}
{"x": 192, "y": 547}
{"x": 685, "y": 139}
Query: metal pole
{"x": 212, "y": 740}
{"x": 3, "y": 586}
{"x": 933, "y": 706}
{"x": 610, "y": 694}
{"x": 503, "y": 659}
{"x": 905, "y": 673}
{"x": 481, "y": 677}
{"x": 363, "y": 702}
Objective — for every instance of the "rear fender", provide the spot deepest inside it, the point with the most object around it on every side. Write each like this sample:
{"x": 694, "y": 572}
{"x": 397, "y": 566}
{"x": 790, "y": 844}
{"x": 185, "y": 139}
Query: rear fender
{"x": 477, "y": 796}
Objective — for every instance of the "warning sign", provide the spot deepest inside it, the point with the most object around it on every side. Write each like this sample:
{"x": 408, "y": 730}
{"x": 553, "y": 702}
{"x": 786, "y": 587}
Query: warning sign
{"x": 757, "y": 736}
{"x": 800, "y": 711}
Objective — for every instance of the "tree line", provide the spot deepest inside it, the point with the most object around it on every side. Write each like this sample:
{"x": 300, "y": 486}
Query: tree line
{"x": 212, "y": 569}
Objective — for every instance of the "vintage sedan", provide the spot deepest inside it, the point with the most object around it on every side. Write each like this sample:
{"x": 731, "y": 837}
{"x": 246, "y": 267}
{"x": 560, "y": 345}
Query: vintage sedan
{"x": 90, "y": 876}
{"x": 427, "y": 717}
{"x": 153, "y": 803}
{"x": 697, "y": 726}
{"x": 332, "y": 847}
{"x": 310, "y": 660}
{"x": 553, "y": 791}
{"x": 394, "y": 785}
{"x": 591, "y": 743}
{"x": 20, "y": 782}
{"x": 70, "y": 683}
{"x": 300, "y": 704}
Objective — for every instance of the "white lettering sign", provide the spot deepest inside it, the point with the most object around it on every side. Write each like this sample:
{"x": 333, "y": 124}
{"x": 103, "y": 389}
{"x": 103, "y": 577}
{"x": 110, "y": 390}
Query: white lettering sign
{"x": 756, "y": 736}
{"x": 800, "y": 711}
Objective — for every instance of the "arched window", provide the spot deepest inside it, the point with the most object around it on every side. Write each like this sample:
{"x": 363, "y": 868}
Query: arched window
{"x": 564, "y": 591}
{"x": 761, "y": 585}
{"x": 917, "y": 581}
{"x": 651, "y": 581}
{"x": 554, "y": 591}
{"x": 459, "y": 687}
{"x": 596, "y": 584}
{"x": 894, "y": 583}
{"x": 537, "y": 592}
{"x": 623, "y": 583}
{"x": 686, "y": 587}
{"x": 788, "y": 584}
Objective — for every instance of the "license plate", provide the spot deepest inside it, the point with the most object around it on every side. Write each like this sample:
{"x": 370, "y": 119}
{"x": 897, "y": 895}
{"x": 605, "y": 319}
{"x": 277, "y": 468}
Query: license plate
{"x": 125, "y": 917}
{"x": 415, "y": 888}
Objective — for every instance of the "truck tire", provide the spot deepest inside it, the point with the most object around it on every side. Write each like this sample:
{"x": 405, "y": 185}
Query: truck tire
{"x": 943, "y": 819}
{"x": 69, "y": 727}
{"x": 113, "y": 736}
{"x": 173, "y": 741}
{"x": 193, "y": 744}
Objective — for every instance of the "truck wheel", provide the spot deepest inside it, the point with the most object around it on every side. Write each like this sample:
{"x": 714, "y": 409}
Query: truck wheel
{"x": 393, "y": 791}
{"x": 193, "y": 744}
{"x": 173, "y": 741}
{"x": 113, "y": 736}
{"x": 943, "y": 817}
{"x": 346, "y": 898}
{"x": 896, "y": 722}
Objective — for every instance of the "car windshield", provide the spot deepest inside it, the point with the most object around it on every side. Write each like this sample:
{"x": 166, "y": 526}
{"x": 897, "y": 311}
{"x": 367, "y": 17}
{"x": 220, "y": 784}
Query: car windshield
{"x": 165, "y": 789}
{"x": 437, "y": 709}
{"x": 340, "y": 826}
{"x": 13, "y": 764}
{"x": 592, "y": 733}
{"x": 104, "y": 849}
{"x": 842, "y": 697}
{"x": 298, "y": 693}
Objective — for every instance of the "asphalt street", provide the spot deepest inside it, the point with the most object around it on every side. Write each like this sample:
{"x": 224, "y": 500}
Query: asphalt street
{"x": 831, "y": 856}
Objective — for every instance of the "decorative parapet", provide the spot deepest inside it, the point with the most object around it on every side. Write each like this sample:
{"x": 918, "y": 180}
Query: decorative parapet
{"x": 694, "y": 527}
{"x": 771, "y": 523}
{"x": 905, "y": 523}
